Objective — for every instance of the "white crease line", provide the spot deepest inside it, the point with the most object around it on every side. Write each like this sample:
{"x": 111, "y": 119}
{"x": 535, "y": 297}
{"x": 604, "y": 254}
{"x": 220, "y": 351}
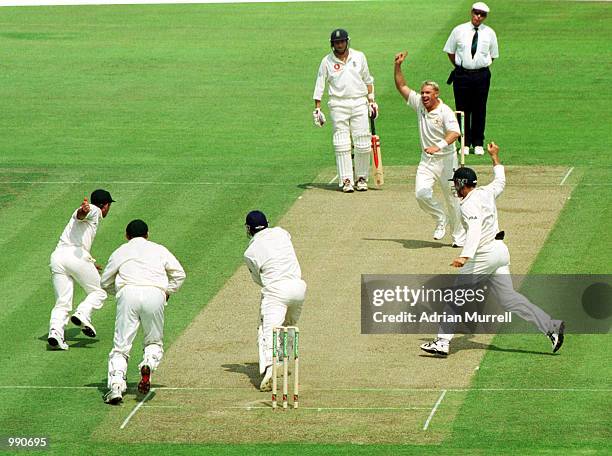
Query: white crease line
{"x": 133, "y": 412}
{"x": 569, "y": 171}
{"x": 326, "y": 409}
{"x": 264, "y": 184}
{"x": 333, "y": 180}
{"x": 355, "y": 390}
{"x": 433, "y": 410}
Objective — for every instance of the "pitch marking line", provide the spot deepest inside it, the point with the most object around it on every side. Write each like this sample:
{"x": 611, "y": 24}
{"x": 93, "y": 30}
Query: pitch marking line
{"x": 335, "y": 409}
{"x": 361, "y": 390}
{"x": 133, "y": 412}
{"x": 569, "y": 171}
{"x": 333, "y": 180}
{"x": 433, "y": 410}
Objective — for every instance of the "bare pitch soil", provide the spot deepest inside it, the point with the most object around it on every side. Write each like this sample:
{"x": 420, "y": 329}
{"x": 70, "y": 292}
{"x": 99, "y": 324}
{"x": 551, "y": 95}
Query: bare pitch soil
{"x": 354, "y": 388}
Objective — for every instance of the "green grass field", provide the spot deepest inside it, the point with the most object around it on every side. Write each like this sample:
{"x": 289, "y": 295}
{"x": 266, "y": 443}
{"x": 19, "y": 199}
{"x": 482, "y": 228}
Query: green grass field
{"x": 192, "y": 115}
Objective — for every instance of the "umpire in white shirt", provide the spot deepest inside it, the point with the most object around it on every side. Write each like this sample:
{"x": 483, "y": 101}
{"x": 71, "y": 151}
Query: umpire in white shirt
{"x": 273, "y": 264}
{"x": 486, "y": 255}
{"x": 143, "y": 275}
{"x": 471, "y": 48}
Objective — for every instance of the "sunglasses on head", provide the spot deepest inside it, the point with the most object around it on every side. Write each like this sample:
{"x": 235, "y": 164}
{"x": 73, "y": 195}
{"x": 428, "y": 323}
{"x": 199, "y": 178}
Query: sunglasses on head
{"x": 479, "y": 13}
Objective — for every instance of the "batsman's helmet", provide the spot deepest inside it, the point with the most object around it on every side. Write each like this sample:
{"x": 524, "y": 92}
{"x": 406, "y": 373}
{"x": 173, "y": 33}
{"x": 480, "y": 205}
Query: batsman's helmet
{"x": 100, "y": 197}
{"x": 255, "y": 222}
{"x": 339, "y": 35}
{"x": 464, "y": 177}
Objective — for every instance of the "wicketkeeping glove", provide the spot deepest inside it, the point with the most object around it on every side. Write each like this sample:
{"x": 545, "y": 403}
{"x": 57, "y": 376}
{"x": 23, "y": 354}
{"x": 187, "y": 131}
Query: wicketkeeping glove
{"x": 373, "y": 110}
{"x": 318, "y": 117}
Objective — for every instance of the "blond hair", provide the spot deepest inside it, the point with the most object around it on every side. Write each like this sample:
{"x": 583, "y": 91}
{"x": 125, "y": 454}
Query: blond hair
{"x": 433, "y": 84}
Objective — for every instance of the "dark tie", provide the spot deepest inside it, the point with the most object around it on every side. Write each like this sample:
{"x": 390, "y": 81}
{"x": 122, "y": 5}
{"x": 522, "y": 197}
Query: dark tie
{"x": 475, "y": 41}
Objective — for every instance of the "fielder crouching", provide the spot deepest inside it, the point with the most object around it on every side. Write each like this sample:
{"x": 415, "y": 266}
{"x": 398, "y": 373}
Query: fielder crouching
{"x": 273, "y": 264}
{"x": 144, "y": 275}
{"x": 486, "y": 254}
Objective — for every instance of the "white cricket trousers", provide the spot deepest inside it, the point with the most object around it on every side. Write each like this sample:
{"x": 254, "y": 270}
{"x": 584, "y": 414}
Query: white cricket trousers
{"x": 493, "y": 260}
{"x": 137, "y": 305}
{"x": 350, "y": 120}
{"x": 439, "y": 168}
{"x": 70, "y": 264}
{"x": 281, "y": 305}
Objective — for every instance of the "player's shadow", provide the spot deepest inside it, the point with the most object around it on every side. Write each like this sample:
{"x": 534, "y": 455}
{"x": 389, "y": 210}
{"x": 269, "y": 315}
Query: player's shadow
{"x": 465, "y": 342}
{"x": 70, "y": 336}
{"x": 251, "y": 370}
{"x": 412, "y": 244}
{"x": 132, "y": 387}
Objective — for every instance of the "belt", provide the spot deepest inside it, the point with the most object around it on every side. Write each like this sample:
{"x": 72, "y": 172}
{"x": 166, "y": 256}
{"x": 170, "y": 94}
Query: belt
{"x": 477, "y": 70}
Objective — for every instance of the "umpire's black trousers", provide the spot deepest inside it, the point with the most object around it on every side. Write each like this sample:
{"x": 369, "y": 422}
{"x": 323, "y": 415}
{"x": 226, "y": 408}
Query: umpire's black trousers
{"x": 471, "y": 89}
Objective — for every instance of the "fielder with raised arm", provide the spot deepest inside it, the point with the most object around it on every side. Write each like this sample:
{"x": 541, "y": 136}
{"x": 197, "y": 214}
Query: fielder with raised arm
{"x": 486, "y": 254}
{"x": 351, "y": 100}
{"x": 143, "y": 275}
{"x": 72, "y": 261}
{"x": 438, "y": 130}
{"x": 273, "y": 265}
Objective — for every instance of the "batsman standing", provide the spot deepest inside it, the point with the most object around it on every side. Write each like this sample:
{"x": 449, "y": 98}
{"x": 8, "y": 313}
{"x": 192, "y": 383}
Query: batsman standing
{"x": 486, "y": 255}
{"x": 72, "y": 261}
{"x": 471, "y": 48}
{"x": 351, "y": 100}
{"x": 143, "y": 275}
{"x": 274, "y": 266}
{"x": 438, "y": 130}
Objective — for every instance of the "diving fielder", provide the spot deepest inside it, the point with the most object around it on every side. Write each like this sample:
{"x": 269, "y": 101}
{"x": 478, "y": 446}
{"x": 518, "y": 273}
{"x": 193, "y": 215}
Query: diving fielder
{"x": 143, "y": 275}
{"x": 273, "y": 264}
{"x": 486, "y": 254}
{"x": 70, "y": 262}
{"x": 438, "y": 130}
{"x": 351, "y": 100}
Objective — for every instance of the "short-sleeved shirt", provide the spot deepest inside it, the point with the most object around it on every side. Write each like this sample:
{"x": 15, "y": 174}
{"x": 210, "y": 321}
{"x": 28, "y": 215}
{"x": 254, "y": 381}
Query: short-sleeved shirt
{"x": 434, "y": 124}
{"x": 81, "y": 233}
{"x": 345, "y": 79}
{"x": 460, "y": 43}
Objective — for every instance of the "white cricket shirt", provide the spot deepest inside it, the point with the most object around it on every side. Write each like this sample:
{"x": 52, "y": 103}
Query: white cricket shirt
{"x": 460, "y": 43}
{"x": 141, "y": 262}
{"x": 433, "y": 125}
{"x": 345, "y": 79}
{"x": 479, "y": 213}
{"x": 81, "y": 233}
{"x": 270, "y": 257}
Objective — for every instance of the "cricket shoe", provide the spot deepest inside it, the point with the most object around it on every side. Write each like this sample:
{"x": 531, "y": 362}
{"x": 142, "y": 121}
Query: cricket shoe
{"x": 347, "y": 187}
{"x": 144, "y": 386}
{"x": 56, "y": 341}
{"x": 266, "y": 382}
{"x": 466, "y": 150}
{"x": 81, "y": 320}
{"x": 479, "y": 150}
{"x": 362, "y": 185}
{"x": 114, "y": 396}
{"x": 556, "y": 337}
{"x": 440, "y": 231}
{"x": 436, "y": 347}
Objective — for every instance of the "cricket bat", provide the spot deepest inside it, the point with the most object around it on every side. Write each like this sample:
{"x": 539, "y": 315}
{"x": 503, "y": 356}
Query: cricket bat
{"x": 379, "y": 177}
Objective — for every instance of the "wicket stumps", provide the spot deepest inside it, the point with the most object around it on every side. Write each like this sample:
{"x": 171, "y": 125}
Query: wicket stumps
{"x": 461, "y": 118}
{"x": 282, "y": 333}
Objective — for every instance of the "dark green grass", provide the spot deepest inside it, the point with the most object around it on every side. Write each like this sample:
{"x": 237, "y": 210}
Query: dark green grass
{"x": 175, "y": 95}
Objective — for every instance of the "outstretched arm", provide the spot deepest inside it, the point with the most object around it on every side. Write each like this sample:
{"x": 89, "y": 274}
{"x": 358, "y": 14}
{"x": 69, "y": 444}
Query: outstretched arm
{"x": 400, "y": 81}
